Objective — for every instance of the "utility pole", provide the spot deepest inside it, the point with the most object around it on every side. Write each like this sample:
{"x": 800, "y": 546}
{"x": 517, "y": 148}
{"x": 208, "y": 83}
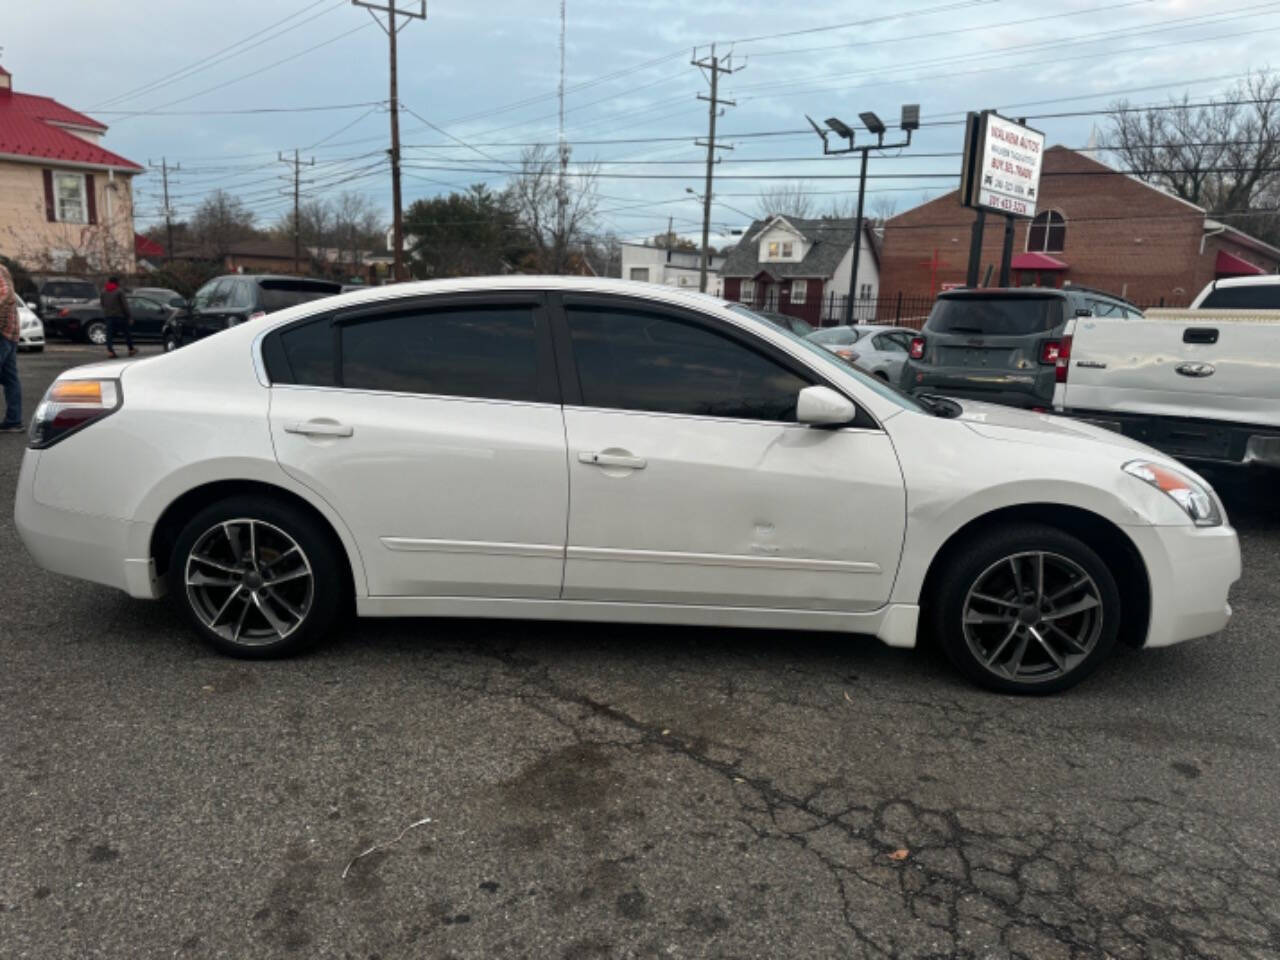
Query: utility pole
{"x": 670, "y": 222}
{"x": 168, "y": 211}
{"x": 297, "y": 165}
{"x": 392, "y": 27}
{"x": 712, "y": 67}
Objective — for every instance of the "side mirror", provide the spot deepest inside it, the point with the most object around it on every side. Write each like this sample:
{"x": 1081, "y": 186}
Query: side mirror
{"x": 823, "y": 407}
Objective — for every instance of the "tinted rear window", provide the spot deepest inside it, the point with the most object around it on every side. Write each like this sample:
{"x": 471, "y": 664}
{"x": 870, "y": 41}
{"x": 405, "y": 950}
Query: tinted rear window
{"x": 301, "y": 354}
{"x": 996, "y": 316}
{"x": 86, "y": 291}
{"x": 1243, "y": 298}
{"x": 279, "y": 294}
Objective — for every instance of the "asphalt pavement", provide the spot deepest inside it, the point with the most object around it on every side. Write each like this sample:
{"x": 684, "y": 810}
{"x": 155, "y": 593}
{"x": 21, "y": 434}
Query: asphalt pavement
{"x": 505, "y": 789}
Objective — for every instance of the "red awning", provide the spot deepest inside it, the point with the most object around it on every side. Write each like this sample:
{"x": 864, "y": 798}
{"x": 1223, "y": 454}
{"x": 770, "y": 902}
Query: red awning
{"x": 1229, "y": 265}
{"x": 146, "y": 247}
{"x": 1037, "y": 261}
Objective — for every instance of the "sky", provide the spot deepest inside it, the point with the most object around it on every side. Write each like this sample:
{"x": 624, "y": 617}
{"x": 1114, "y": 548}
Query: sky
{"x": 175, "y": 79}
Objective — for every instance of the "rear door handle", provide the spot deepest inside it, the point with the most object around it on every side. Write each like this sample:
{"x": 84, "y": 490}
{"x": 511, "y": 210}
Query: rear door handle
{"x": 1200, "y": 335}
{"x": 320, "y": 428}
{"x": 612, "y": 460}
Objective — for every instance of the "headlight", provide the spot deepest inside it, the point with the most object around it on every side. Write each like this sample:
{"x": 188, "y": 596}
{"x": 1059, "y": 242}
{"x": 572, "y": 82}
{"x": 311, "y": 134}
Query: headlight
{"x": 1193, "y": 497}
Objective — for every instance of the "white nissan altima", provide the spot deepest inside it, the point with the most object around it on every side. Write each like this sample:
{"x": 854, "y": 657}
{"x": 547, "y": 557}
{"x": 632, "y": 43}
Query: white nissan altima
{"x": 560, "y": 448}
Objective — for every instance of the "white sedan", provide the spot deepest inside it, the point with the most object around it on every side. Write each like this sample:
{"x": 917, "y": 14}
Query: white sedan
{"x": 30, "y": 329}
{"x": 878, "y": 349}
{"x": 582, "y": 449}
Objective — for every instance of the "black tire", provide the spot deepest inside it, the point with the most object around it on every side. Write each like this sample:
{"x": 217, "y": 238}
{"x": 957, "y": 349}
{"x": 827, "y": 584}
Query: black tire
{"x": 989, "y": 564}
{"x": 95, "y": 332}
{"x": 306, "y": 604}
{"x": 171, "y": 343}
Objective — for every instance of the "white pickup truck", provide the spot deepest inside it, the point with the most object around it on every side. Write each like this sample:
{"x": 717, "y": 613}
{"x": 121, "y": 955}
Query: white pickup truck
{"x": 1199, "y": 384}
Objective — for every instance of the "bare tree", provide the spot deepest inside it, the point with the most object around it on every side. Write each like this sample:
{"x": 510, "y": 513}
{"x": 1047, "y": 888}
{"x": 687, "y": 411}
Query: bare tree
{"x": 1221, "y": 155}
{"x": 784, "y": 199}
{"x": 220, "y": 221}
{"x": 534, "y": 195}
{"x": 882, "y": 207}
{"x": 355, "y": 223}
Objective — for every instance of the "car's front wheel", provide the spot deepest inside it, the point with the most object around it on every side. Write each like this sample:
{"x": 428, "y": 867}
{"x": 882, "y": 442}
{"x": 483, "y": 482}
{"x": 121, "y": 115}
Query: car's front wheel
{"x": 259, "y": 578}
{"x": 1026, "y": 609}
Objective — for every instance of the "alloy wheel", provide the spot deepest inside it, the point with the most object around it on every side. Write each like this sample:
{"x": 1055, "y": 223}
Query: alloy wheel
{"x": 249, "y": 582}
{"x": 97, "y": 334}
{"x": 1032, "y": 617}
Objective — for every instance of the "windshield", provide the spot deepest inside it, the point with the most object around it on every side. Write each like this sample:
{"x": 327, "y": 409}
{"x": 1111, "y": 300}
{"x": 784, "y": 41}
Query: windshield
{"x": 996, "y": 316}
{"x": 828, "y": 360}
{"x": 835, "y": 335}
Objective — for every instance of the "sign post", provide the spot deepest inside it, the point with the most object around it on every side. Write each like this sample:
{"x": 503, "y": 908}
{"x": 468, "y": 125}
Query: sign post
{"x": 1001, "y": 173}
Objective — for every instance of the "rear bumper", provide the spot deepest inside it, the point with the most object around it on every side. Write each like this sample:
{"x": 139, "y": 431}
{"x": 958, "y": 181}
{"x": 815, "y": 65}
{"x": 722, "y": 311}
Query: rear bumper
{"x": 1032, "y": 389}
{"x": 1191, "y": 570}
{"x": 99, "y": 549}
{"x": 1208, "y": 441}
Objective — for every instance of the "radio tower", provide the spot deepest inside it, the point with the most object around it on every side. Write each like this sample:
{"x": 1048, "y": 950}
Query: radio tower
{"x": 562, "y": 195}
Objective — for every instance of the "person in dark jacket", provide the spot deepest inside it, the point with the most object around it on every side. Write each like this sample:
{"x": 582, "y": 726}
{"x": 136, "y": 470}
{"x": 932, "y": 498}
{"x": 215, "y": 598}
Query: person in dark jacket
{"x": 115, "y": 308}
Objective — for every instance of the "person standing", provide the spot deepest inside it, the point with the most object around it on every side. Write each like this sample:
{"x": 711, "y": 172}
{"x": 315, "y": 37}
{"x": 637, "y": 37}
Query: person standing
{"x": 12, "y": 422}
{"x": 116, "y": 310}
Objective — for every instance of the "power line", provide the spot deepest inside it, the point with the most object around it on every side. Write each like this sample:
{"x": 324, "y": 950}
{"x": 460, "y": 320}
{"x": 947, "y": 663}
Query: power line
{"x": 205, "y": 63}
{"x": 249, "y": 110}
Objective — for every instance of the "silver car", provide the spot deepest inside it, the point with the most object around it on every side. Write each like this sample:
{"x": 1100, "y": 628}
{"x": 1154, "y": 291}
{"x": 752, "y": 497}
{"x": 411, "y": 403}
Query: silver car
{"x": 878, "y": 349}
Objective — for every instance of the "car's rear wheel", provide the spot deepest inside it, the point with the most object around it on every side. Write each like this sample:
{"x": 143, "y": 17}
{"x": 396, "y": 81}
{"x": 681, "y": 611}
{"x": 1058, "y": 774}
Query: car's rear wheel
{"x": 96, "y": 332}
{"x": 1027, "y": 609}
{"x": 258, "y": 578}
{"x": 170, "y": 343}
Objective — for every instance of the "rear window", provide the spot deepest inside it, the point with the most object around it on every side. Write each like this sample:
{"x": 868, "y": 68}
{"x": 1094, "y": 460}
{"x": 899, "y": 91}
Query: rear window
{"x": 1259, "y": 297}
{"x": 62, "y": 288}
{"x": 996, "y": 316}
{"x": 835, "y": 335}
{"x": 279, "y": 294}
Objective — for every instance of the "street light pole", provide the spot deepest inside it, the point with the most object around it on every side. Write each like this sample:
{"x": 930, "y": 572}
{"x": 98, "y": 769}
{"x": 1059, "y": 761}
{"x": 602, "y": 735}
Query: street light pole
{"x": 910, "y": 122}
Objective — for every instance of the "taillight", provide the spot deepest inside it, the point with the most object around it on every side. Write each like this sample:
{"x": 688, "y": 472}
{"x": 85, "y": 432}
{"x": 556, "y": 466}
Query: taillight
{"x": 849, "y": 355}
{"x": 64, "y": 312}
{"x": 71, "y": 405}
{"x": 1063, "y": 360}
{"x": 1049, "y": 351}
{"x": 917, "y": 348}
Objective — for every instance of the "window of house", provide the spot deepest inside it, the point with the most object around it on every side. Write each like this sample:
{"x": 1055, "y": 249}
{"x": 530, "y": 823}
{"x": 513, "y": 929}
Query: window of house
{"x": 1047, "y": 233}
{"x": 640, "y": 273}
{"x": 630, "y": 359}
{"x": 69, "y": 198}
{"x": 788, "y": 251}
{"x": 864, "y": 291}
{"x": 798, "y": 290}
{"x": 461, "y": 352}
{"x": 747, "y": 293}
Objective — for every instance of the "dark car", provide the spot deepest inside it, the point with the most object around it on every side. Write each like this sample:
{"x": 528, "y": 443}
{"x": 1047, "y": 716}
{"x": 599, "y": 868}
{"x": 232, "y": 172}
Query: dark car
{"x": 170, "y": 298}
{"x": 227, "y": 301}
{"x": 54, "y": 294}
{"x": 86, "y": 321}
{"x": 1001, "y": 345}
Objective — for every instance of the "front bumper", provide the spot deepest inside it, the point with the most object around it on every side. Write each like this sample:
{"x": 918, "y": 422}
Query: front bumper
{"x": 28, "y": 339}
{"x": 1205, "y": 441}
{"x": 1191, "y": 570}
{"x": 103, "y": 550}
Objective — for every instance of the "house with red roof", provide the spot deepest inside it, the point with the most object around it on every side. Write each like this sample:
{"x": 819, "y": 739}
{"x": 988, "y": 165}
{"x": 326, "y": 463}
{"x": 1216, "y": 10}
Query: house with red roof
{"x": 66, "y": 202}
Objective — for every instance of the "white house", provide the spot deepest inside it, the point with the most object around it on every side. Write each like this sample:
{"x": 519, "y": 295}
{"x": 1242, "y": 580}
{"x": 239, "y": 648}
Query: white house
{"x": 674, "y": 268}
{"x": 802, "y": 267}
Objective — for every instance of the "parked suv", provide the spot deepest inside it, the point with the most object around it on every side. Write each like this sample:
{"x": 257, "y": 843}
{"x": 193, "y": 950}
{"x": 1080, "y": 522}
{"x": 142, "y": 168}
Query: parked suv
{"x": 1001, "y": 345}
{"x": 227, "y": 301}
{"x": 54, "y": 294}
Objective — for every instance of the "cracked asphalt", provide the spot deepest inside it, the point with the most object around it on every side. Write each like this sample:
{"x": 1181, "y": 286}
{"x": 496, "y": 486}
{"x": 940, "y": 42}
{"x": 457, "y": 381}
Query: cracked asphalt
{"x": 602, "y": 791}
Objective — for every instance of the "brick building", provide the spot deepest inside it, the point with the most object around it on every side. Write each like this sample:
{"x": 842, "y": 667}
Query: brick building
{"x": 1095, "y": 227}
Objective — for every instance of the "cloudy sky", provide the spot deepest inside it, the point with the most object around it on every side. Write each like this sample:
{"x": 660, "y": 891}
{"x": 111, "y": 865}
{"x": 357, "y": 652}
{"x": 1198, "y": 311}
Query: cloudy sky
{"x": 176, "y": 79}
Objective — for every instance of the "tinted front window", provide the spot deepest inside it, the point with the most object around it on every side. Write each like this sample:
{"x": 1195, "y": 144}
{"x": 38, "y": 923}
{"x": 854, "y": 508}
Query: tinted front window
{"x": 279, "y": 294}
{"x": 1243, "y": 298}
{"x": 239, "y": 297}
{"x": 204, "y": 294}
{"x": 996, "y": 316}
{"x": 461, "y": 352}
{"x": 634, "y": 360}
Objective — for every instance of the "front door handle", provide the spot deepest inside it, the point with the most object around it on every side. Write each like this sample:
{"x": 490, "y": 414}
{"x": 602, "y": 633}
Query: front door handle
{"x": 320, "y": 428}
{"x": 607, "y": 459}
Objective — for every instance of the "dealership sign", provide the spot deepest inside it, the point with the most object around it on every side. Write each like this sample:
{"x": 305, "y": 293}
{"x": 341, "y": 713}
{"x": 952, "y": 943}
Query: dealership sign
{"x": 1002, "y": 162}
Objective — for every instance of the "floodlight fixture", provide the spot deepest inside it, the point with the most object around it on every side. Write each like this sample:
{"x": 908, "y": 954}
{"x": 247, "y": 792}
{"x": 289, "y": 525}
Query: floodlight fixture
{"x": 873, "y": 123}
{"x": 910, "y": 116}
{"x": 840, "y": 128}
